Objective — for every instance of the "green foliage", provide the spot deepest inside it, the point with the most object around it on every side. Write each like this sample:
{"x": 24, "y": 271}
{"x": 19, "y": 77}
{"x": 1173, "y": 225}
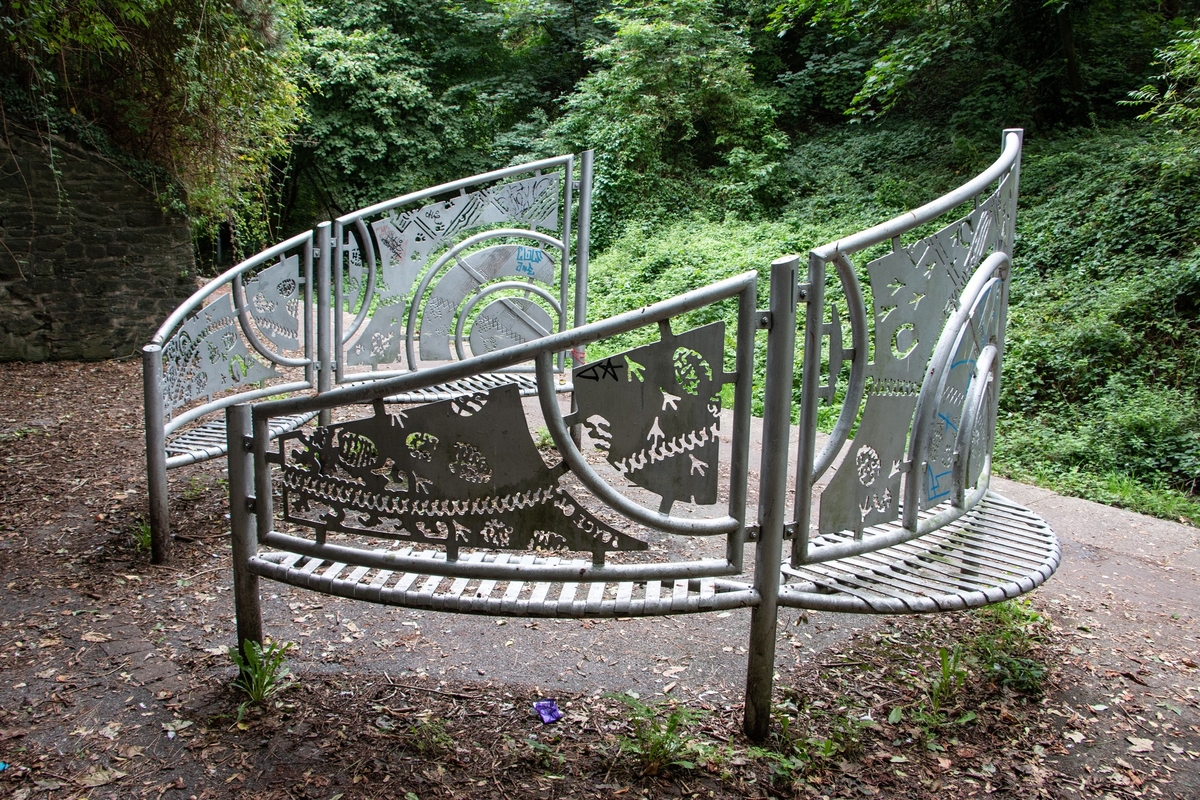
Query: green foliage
{"x": 977, "y": 65}
{"x": 206, "y": 89}
{"x": 656, "y": 742}
{"x": 141, "y": 535}
{"x": 811, "y": 735}
{"x": 430, "y": 738}
{"x": 675, "y": 117}
{"x": 261, "y": 671}
{"x": 1101, "y": 367}
{"x": 1003, "y": 649}
{"x": 949, "y": 680}
{"x": 407, "y": 95}
{"x": 1176, "y": 103}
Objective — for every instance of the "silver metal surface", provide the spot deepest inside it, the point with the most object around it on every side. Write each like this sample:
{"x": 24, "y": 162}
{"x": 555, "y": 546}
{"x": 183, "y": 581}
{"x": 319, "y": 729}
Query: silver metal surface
{"x": 466, "y": 275}
{"x": 996, "y": 551}
{"x": 917, "y": 290}
{"x": 459, "y": 473}
{"x": 244, "y": 543}
{"x": 450, "y": 506}
{"x": 464, "y": 474}
{"x": 772, "y": 500}
{"x": 380, "y": 289}
{"x": 655, "y": 412}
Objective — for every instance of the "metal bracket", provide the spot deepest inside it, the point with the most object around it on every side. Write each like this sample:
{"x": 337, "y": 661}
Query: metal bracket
{"x": 248, "y": 444}
{"x": 764, "y": 320}
{"x": 754, "y": 532}
{"x": 252, "y": 505}
{"x": 802, "y": 291}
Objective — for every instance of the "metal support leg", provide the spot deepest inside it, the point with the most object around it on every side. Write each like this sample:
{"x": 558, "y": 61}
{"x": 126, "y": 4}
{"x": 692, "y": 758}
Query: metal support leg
{"x": 325, "y": 346}
{"x": 156, "y": 454}
{"x": 772, "y": 503}
{"x": 242, "y": 527}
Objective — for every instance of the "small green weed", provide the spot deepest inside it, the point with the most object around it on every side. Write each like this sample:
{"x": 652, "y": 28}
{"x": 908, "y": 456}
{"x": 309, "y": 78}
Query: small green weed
{"x": 659, "y": 743}
{"x": 19, "y": 433}
{"x": 195, "y": 488}
{"x": 260, "y": 671}
{"x": 946, "y": 684}
{"x": 542, "y": 439}
{"x": 809, "y": 735}
{"x": 141, "y": 535}
{"x": 1004, "y": 649}
{"x": 546, "y": 755}
{"x": 430, "y": 737}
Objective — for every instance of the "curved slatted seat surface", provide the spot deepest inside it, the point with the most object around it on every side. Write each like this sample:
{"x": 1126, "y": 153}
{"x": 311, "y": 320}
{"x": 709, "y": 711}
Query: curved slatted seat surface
{"x": 526, "y": 383}
{"x": 209, "y": 441}
{"x": 502, "y": 597}
{"x": 997, "y": 551}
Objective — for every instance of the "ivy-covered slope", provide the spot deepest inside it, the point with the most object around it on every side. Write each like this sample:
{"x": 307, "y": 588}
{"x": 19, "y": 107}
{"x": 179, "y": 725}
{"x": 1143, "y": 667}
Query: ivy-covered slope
{"x": 1102, "y": 369}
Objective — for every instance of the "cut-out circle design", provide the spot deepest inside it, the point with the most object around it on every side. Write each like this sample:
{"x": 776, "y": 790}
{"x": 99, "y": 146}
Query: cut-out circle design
{"x": 904, "y": 340}
{"x": 690, "y": 369}
{"x": 868, "y": 465}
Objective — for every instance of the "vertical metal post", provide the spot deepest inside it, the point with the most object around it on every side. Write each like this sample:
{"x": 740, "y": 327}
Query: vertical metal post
{"x": 772, "y": 501}
{"x": 583, "y": 244}
{"x": 1009, "y": 237}
{"x": 309, "y": 320}
{"x": 810, "y": 381}
{"x": 739, "y": 460}
{"x": 324, "y": 315}
{"x": 244, "y": 539}
{"x": 584, "y": 233}
{"x": 156, "y": 454}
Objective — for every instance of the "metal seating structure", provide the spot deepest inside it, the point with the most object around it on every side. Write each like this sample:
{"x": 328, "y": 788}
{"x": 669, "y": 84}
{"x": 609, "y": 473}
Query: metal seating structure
{"x": 377, "y": 292}
{"x": 448, "y": 505}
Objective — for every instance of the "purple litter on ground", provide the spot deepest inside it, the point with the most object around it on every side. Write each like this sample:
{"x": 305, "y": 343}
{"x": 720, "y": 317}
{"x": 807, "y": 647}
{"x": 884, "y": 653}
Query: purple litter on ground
{"x": 548, "y": 710}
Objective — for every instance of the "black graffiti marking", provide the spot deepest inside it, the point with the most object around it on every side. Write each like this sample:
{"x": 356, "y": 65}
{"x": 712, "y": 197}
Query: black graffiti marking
{"x": 601, "y": 370}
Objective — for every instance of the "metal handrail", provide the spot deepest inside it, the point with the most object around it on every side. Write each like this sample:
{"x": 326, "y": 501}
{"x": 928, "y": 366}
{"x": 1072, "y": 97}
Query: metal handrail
{"x": 905, "y": 222}
{"x": 204, "y": 292}
{"x": 453, "y": 186}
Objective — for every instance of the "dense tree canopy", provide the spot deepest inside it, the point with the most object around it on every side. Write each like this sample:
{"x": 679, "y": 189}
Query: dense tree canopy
{"x": 206, "y": 89}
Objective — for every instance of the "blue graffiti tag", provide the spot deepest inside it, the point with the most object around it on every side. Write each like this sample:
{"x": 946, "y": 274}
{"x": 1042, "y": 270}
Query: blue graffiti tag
{"x": 527, "y": 257}
{"x": 934, "y": 483}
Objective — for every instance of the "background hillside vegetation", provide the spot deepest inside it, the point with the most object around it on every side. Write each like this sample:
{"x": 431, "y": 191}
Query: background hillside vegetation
{"x": 727, "y": 133}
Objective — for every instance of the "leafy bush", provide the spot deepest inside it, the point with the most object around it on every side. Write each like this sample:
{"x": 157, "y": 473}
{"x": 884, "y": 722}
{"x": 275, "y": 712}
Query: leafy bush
{"x": 675, "y": 117}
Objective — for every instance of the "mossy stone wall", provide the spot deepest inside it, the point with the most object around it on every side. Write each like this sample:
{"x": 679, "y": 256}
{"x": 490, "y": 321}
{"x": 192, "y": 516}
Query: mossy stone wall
{"x": 90, "y": 265}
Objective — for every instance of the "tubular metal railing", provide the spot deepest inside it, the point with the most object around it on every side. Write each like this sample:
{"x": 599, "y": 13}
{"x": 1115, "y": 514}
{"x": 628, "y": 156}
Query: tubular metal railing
{"x": 301, "y": 315}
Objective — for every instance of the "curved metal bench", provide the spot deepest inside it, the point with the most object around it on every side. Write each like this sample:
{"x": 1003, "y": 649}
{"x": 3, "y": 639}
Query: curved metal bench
{"x": 466, "y": 267}
{"x": 449, "y": 506}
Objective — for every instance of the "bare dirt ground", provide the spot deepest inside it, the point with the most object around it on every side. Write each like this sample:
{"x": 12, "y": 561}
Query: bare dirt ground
{"x": 114, "y": 681}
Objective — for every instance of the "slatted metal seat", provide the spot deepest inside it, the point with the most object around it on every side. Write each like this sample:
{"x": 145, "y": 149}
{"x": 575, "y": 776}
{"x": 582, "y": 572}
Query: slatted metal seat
{"x": 208, "y": 440}
{"x": 994, "y": 552}
{"x": 524, "y": 381}
{"x": 506, "y": 597}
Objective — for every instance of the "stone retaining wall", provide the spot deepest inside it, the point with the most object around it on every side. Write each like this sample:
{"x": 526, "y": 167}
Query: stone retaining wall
{"x": 89, "y": 263}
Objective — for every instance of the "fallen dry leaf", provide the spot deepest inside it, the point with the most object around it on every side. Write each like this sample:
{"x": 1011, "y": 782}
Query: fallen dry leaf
{"x": 99, "y": 776}
{"x": 1137, "y": 745}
